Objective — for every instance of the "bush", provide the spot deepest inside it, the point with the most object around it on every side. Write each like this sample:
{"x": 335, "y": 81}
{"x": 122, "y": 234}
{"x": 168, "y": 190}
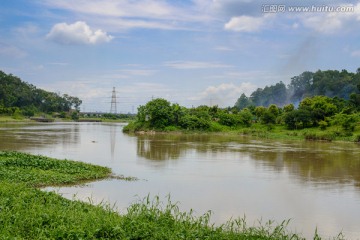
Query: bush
{"x": 135, "y": 126}
{"x": 171, "y": 128}
{"x": 17, "y": 115}
{"x": 217, "y": 127}
{"x": 323, "y": 125}
{"x": 191, "y": 122}
{"x": 357, "y": 138}
{"x": 75, "y": 116}
{"x": 230, "y": 120}
{"x": 327, "y": 136}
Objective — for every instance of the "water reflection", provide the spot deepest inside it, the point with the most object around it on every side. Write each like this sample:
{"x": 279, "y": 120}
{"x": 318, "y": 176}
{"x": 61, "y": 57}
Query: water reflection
{"x": 112, "y": 140}
{"x": 21, "y": 137}
{"x": 159, "y": 149}
{"x": 315, "y": 162}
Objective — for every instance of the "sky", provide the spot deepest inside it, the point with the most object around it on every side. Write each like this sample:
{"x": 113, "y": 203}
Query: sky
{"x": 190, "y": 52}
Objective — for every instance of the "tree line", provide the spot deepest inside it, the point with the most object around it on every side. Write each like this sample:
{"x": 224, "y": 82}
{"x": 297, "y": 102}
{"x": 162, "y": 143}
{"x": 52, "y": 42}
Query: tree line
{"x": 340, "y": 111}
{"x": 330, "y": 83}
{"x": 317, "y": 111}
{"x": 19, "y": 96}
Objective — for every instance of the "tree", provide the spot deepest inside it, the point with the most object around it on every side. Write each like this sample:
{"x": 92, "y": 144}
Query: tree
{"x": 319, "y": 106}
{"x": 268, "y": 117}
{"x": 159, "y": 113}
{"x": 288, "y": 108}
{"x": 298, "y": 118}
{"x": 242, "y": 102}
{"x": 273, "y": 109}
{"x": 300, "y": 86}
{"x": 16, "y": 93}
{"x": 259, "y": 112}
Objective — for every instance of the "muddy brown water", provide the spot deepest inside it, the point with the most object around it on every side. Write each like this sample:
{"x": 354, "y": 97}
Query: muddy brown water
{"x": 315, "y": 184}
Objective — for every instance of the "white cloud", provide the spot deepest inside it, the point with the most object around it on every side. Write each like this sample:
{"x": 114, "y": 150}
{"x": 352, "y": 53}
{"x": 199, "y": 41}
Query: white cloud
{"x": 115, "y": 8}
{"x": 126, "y": 14}
{"x": 223, "y": 48}
{"x": 332, "y": 22}
{"x": 195, "y": 65}
{"x": 246, "y": 24}
{"x": 356, "y": 53}
{"x": 224, "y": 94}
{"x": 77, "y": 33}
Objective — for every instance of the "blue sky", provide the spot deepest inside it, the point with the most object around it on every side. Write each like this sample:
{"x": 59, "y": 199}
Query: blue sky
{"x": 190, "y": 52}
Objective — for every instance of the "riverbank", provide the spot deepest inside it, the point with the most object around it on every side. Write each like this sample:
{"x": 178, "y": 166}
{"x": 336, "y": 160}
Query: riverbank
{"x": 11, "y": 119}
{"x": 261, "y": 131}
{"x": 29, "y": 213}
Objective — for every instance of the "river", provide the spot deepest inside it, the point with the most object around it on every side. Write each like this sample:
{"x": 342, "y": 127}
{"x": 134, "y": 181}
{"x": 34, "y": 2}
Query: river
{"x": 315, "y": 184}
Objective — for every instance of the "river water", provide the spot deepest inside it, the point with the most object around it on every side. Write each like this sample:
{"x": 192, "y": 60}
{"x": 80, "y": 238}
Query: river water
{"x": 315, "y": 184}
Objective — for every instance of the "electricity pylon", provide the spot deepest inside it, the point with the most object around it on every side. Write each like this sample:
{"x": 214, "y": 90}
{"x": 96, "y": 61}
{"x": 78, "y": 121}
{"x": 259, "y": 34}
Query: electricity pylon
{"x": 113, "y": 108}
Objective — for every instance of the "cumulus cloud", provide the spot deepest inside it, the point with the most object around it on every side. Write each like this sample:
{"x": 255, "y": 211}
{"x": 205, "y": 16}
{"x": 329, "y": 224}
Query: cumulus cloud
{"x": 224, "y": 94}
{"x": 77, "y": 33}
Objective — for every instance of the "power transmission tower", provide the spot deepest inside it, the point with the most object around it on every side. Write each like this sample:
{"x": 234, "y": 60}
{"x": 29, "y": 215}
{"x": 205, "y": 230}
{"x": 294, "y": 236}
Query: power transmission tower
{"x": 113, "y": 108}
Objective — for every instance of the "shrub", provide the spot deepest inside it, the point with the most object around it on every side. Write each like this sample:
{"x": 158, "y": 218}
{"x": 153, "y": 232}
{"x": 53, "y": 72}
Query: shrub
{"x": 323, "y": 125}
{"x": 191, "y": 122}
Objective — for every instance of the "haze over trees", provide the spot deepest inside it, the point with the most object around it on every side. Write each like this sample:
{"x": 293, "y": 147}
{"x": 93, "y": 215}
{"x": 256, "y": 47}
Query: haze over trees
{"x": 19, "y": 96}
{"x": 330, "y": 83}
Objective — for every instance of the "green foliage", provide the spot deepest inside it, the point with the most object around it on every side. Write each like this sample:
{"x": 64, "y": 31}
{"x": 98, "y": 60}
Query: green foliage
{"x": 300, "y": 118}
{"x": 259, "y": 112}
{"x": 16, "y": 93}
{"x": 62, "y": 115}
{"x": 275, "y": 94}
{"x": 158, "y": 112}
{"x": 268, "y": 117}
{"x": 324, "y": 136}
{"x": 193, "y": 122}
{"x": 242, "y": 102}
{"x": 330, "y": 83}
{"x": 320, "y": 95}
{"x": 323, "y": 125}
{"x": 288, "y": 108}
{"x": 39, "y": 171}
{"x": 75, "y": 116}
{"x": 347, "y": 122}
{"x": 230, "y": 120}
{"x": 246, "y": 117}
{"x": 17, "y": 114}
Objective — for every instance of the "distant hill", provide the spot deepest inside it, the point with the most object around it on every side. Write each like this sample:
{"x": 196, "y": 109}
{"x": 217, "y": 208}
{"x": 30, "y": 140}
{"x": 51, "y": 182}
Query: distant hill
{"x": 330, "y": 83}
{"x": 15, "y": 93}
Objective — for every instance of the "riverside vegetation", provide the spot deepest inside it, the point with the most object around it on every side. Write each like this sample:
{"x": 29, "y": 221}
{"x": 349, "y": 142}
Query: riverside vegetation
{"x": 324, "y": 105}
{"x": 317, "y": 118}
{"x": 26, "y": 212}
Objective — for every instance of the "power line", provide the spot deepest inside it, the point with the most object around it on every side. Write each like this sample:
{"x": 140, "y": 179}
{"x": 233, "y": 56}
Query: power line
{"x": 113, "y": 108}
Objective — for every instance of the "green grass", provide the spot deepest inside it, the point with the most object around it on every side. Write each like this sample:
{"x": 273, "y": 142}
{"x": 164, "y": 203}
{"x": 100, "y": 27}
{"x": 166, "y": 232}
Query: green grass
{"x": 29, "y": 213}
{"x": 43, "y": 171}
{"x": 12, "y": 119}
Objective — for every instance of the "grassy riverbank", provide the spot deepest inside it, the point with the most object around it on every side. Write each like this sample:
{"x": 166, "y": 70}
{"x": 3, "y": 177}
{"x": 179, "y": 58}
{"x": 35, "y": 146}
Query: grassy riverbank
{"x": 29, "y": 213}
{"x": 257, "y": 130}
